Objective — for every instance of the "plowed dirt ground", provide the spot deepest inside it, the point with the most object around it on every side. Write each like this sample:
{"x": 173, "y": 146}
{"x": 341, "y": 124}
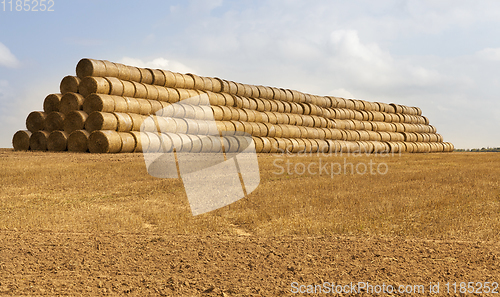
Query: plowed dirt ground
{"x": 92, "y": 225}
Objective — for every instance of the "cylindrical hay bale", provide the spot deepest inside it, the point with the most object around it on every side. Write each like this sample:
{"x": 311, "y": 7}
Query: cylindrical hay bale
{"x": 140, "y": 90}
{"x": 54, "y": 121}
{"x": 199, "y": 83}
{"x": 38, "y": 140}
{"x": 212, "y": 84}
{"x": 123, "y": 72}
{"x": 144, "y": 106}
{"x": 69, "y": 84}
{"x": 179, "y": 81}
{"x": 57, "y": 141}
{"x": 196, "y": 143}
{"x": 146, "y": 76}
{"x": 169, "y": 79}
{"x": 21, "y": 140}
{"x": 101, "y": 121}
{"x": 128, "y": 143}
{"x": 90, "y": 67}
{"x": 158, "y": 77}
{"x": 188, "y": 81}
{"x": 71, "y": 101}
{"x": 77, "y": 141}
{"x": 115, "y": 86}
{"x": 138, "y": 137}
{"x": 52, "y": 103}
{"x": 152, "y": 92}
{"x": 137, "y": 121}
{"x": 132, "y": 105}
{"x": 104, "y": 141}
{"x": 111, "y": 68}
{"x": 91, "y": 84}
{"x": 98, "y": 102}
{"x": 162, "y": 93}
{"x": 124, "y": 122}
{"x": 36, "y": 121}
{"x": 74, "y": 120}
{"x": 135, "y": 74}
{"x": 155, "y": 106}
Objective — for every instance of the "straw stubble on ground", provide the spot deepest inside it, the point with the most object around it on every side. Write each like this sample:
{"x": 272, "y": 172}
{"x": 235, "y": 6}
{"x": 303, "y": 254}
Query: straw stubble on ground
{"x": 97, "y": 224}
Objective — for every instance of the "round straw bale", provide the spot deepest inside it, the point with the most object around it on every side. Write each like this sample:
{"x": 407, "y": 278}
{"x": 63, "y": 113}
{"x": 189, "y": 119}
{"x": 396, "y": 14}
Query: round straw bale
{"x": 166, "y": 125}
{"x": 146, "y": 76}
{"x": 208, "y": 86}
{"x": 71, "y": 101}
{"x": 54, "y": 121}
{"x": 36, "y": 121}
{"x": 115, "y": 86}
{"x": 128, "y": 143}
{"x": 128, "y": 89}
{"x": 91, "y": 84}
{"x": 144, "y": 106}
{"x": 226, "y": 113}
{"x": 124, "y": 122}
{"x": 259, "y": 144}
{"x": 90, "y": 67}
{"x": 155, "y": 106}
{"x": 133, "y": 105}
{"x": 21, "y": 140}
{"x": 111, "y": 68}
{"x": 170, "y": 78}
{"x": 229, "y": 100}
{"x": 77, "y": 141}
{"x": 52, "y": 103}
{"x": 98, "y": 102}
{"x": 152, "y": 92}
{"x": 104, "y": 141}
{"x": 278, "y": 131}
{"x": 188, "y": 81}
{"x": 189, "y": 111}
{"x": 196, "y": 143}
{"x": 179, "y": 81}
{"x": 38, "y": 140}
{"x": 123, "y": 71}
{"x": 135, "y": 74}
{"x": 270, "y": 131}
{"x": 69, "y": 84}
{"x": 140, "y": 90}
{"x": 74, "y": 120}
{"x": 199, "y": 83}
{"x": 187, "y": 143}
{"x": 162, "y": 93}
{"x": 218, "y": 113}
{"x": 166, "y": 143}
{"x": 138, "y": 141}
{"x": 158, "y": 77}
{"x": 57, "y": 141}
{"x": 100, "y": 121}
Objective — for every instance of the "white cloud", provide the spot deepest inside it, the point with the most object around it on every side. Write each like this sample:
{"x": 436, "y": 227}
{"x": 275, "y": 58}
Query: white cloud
{"x": 341, "y": 93}
{"x": 491, "y": 54}
{"x": 158, "y": 63}
{"x": 7, "y": 59}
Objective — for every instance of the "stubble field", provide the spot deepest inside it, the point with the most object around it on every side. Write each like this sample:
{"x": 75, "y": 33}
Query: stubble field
{"x": 100, "y": 225}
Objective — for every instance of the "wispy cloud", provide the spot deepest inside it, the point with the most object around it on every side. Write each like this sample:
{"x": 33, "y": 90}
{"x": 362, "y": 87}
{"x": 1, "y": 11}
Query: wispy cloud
{"x": 7, "y": 59}
{"x": 160, "y": 63}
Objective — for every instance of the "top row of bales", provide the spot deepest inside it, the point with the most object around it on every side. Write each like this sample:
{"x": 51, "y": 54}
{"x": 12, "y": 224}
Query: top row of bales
{"x": 165, "y": 78}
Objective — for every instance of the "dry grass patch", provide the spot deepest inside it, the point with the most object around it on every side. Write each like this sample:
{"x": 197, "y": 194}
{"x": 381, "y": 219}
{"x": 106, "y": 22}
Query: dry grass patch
{"x": 453, "y": 195}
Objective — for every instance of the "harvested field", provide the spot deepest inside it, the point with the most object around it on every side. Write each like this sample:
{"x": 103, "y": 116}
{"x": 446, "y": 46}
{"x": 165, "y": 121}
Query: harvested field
{"x": 94, "y": 224}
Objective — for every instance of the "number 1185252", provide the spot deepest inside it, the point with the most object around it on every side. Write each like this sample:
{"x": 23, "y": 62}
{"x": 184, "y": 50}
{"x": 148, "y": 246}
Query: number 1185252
{"x": 28, "y": 5}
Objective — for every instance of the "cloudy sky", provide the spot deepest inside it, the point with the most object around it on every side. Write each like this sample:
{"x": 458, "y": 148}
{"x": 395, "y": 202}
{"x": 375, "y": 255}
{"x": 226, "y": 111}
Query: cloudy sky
{"x": 443, "y": 56}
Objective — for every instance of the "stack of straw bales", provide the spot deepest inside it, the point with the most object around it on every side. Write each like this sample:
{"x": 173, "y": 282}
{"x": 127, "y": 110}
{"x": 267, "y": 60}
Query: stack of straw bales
{"x": 102, "y": 109}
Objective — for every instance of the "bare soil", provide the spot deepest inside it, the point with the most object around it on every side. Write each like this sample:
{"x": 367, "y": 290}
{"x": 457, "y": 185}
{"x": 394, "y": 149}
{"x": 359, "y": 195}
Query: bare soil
{"x": 96, "y": 225}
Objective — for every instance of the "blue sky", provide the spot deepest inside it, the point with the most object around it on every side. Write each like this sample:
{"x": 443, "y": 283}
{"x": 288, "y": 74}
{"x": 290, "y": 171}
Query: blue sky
{"x": 443, "y": 56}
